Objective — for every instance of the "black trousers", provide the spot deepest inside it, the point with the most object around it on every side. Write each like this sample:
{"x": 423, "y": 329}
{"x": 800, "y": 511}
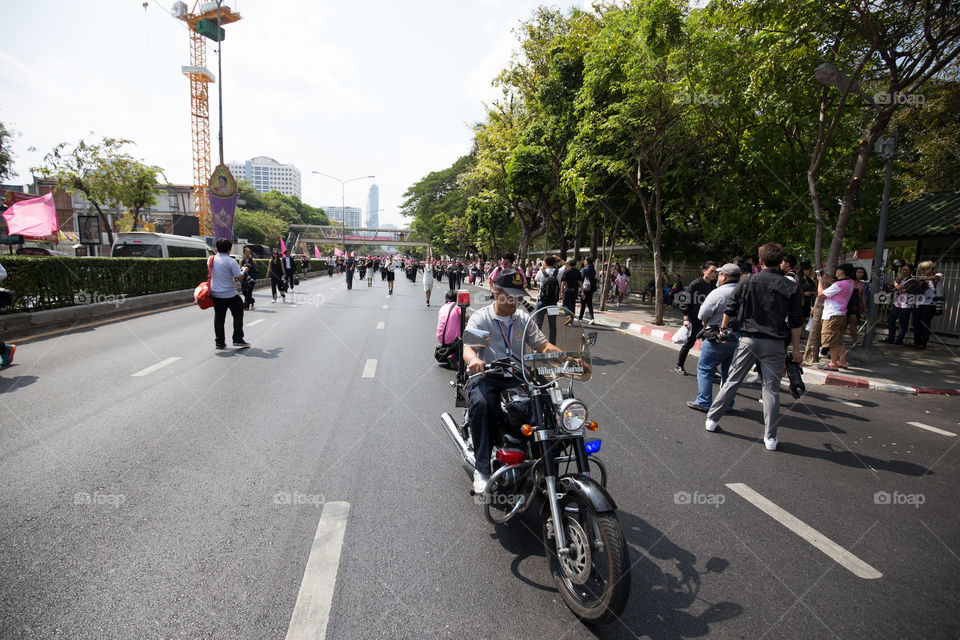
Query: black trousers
{"x": 922, "y": 319}
{"x": 349, "y": 278}
{"x": 695, "y": 327}
{"x": 586, "y": 301}
{"x": 290, "y": 275}
{"x": 247, "y": 295}
{"x": 483, "y": 395}
{"x": 220, "y": 306}
{"x": 570, "y": 301}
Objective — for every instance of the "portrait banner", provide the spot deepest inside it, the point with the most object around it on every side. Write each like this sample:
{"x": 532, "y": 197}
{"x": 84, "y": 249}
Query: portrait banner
{"x": 222, "y": 193}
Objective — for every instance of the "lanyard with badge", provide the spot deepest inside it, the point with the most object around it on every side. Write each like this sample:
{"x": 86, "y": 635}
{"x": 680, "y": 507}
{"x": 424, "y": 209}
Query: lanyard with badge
{"x": 506, "y": 335}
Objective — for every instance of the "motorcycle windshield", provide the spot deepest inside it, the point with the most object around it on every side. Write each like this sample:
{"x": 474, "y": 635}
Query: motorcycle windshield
{"x": 562, "y": 330}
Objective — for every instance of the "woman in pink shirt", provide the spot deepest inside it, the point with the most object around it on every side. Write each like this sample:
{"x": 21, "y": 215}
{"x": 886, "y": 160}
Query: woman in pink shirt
{"x": 448, "y": 319}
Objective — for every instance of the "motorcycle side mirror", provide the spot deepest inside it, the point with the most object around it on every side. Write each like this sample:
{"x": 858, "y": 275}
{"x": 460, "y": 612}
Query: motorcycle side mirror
{"x": 476, "y": 338}
{"x": 591, "y": 337}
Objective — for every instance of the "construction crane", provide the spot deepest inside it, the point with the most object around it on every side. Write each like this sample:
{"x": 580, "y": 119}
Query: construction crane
{"x": 200, "y": 24}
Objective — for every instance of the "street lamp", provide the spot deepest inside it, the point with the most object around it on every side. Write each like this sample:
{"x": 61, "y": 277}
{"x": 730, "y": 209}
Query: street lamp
{"x": 829, "y": 75}
{"x": 343, "y": 207}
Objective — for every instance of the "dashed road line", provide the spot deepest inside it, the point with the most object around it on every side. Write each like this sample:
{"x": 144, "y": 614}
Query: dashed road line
{"x": 255, "y": 322}
{"x": 933, "y": 429}
{"x": 369, "y": 369}
{"x": 152, "y": 368}
{"x": 312, "y": 611}
{"x": 846, "y": 402}
{"x": 381, "y": 325}
{"x": 841, "y": 556}
{"x": 386, "y": 306}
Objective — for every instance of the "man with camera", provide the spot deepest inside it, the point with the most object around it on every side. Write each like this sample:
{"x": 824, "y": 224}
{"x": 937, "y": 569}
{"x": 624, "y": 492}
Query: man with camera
{"x": 690, "y": 301}
{"x": 504, "y": 322}
{"x": 768, "y": 309}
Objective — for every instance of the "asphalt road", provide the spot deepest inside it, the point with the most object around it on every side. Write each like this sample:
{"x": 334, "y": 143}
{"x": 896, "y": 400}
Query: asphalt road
{"x": 184, "y": 502}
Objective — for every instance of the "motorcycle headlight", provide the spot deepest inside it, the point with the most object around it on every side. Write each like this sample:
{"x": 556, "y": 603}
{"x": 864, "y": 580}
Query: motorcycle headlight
{"x": 573, "y": 415}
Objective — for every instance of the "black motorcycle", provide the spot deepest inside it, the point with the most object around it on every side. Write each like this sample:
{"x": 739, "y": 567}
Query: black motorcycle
{"x": 541, "y": 455}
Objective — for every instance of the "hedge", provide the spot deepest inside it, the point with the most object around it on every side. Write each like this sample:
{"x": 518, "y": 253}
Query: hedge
{"x": 51, "y": 282}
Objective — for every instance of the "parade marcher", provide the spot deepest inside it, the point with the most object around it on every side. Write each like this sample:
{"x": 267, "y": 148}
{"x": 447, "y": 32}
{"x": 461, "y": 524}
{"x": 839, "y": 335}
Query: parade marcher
{"x": 349, "y": 268}
{"x": 772, "y": 312}
{"x": 331, "y": 266}
{"x": 504, "y": 321}
{"x": 6, "y": 350}
{"x": 452, "y": 277}
{"x": 589, "y": 277}
{"x": 370, "y": 272}
{"x": 697, "y": 291}
{"x": 570, "y": 286}
{"x": 391, "y": 274}
{"x": 252, "y": 273}
{"x": 304, "y": 266}
{"x": 713, "y": 352}
{"x": 275, "y": 273}
{"x": 224, "y": 274}
{"x": 289, "y": 269}
{"x": 427, "y": 281}
{"x": 362, "y": 268}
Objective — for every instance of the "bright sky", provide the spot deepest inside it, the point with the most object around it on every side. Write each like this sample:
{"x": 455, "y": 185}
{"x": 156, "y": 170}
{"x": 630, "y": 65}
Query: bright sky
{"x": 348, "y": 88}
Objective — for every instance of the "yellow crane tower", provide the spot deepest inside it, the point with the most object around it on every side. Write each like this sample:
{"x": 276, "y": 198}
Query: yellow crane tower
{"x": 201, "y": 24}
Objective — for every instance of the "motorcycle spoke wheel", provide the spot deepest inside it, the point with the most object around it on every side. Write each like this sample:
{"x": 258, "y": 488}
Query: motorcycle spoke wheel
{"x": 594, "y": 578}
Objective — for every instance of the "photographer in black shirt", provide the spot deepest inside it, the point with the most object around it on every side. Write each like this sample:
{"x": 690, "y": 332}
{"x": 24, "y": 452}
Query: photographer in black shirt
{"x": 760, "y": 305}
{"x": 690, "y": 301}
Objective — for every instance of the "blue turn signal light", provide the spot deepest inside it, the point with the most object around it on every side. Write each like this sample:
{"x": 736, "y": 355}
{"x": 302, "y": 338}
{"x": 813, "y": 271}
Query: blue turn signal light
{"x": 593, "y": 446}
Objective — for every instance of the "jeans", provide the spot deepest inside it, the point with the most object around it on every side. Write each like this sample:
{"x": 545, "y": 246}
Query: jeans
{"x": 903, "y": 315}
{"x": 695, "y": 327}
{"x": 771, "y": 354}
{"x": 483, "y": 393}
{"x": 713, "y": 355}
{"x": 220, "y": 306}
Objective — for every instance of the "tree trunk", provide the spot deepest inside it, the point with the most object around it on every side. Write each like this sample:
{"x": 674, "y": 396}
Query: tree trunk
{"x": 607, "y": 259}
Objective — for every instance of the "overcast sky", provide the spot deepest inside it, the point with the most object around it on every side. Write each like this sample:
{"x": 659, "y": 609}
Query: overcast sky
{"x": 345, "y": 87}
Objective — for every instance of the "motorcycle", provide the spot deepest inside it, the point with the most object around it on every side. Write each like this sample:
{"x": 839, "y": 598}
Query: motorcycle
{"x": 540, "y": 454}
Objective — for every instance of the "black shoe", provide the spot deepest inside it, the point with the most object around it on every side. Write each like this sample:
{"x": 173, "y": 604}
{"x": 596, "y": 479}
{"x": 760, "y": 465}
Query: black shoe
{"x": 679, "y": 371}
{"x": 242, "y": 344}
{"x": 221, "y": 345}
{"x": 693, "y": 405}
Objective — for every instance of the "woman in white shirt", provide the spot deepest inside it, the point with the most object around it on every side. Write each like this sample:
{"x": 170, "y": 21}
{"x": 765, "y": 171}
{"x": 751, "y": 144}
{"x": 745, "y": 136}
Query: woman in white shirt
{"x": 427, "y": 280}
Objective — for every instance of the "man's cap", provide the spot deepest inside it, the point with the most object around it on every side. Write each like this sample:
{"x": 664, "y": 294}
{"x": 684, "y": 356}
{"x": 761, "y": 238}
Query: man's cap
{"x": 511, "y": 282}
{"x": 729, "y": 269}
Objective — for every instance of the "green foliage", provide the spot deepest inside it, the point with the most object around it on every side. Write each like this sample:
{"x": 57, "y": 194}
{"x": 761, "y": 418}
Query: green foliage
{"x": 928, "y": 132}
{"x": 6, "y": 155}
{"x": 259, "y": 227}
{"x": 437, "y": 203}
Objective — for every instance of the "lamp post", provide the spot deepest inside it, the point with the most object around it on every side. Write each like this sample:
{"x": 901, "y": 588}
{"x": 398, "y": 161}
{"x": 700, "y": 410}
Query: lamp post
{"x": 343, "y": 207}
{"x": 829, "y": 75}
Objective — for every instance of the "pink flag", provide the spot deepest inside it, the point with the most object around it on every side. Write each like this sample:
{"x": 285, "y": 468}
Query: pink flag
{"x": 353, "y": 254}
{"x": 35, "y": 217}
{"x": 337, "y": 252}
{"x": 316, "y": 251}
{"x": 283, "y": 247}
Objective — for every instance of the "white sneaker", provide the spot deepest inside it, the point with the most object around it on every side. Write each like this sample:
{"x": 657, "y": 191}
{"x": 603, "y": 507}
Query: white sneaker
{"x": 771, "y": 443}
{"x": 711, "y": 425}
{"x": 479, "y": 482}
{"x": 592, "y": 321}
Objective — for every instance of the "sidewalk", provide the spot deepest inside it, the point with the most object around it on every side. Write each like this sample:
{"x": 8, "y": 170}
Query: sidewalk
{"x": 895, "y": 368}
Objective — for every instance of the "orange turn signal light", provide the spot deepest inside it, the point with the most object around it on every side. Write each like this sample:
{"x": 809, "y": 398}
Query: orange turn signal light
{"x": 526, "y": 430}
{"x": 592, "y": 425}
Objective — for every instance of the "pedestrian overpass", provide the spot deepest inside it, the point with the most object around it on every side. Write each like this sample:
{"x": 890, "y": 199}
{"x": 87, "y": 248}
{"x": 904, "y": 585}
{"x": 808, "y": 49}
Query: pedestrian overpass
{"x": 337, "y": 234}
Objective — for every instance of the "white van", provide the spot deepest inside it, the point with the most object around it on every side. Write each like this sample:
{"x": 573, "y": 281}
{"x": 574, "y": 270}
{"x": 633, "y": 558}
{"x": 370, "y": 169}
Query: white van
{"x": 143, "y": 244}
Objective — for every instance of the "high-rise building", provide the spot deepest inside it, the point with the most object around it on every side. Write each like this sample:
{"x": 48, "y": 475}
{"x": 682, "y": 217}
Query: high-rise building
{"x": 335, "y": 214}
{"x": 373, "y": 207}
{"x": 266, "y": 174}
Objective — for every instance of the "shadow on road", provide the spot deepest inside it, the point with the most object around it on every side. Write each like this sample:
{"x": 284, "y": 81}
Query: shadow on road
{"x": 252, "y": 352}
{"x": 12, "y": 384}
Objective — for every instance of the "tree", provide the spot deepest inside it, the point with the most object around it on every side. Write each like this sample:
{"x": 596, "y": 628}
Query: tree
{"x": 927, "y": 132}
{"x": 133, "y": 185}
{"x": 259, "y": 227}
{"x": 436, "y": 203}
{"x": 6, "y": 154}
{"x": 89, "y": 169}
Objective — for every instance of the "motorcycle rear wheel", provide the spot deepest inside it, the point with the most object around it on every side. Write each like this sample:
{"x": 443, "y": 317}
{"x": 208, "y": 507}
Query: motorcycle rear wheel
{"x": 594, "y": 579}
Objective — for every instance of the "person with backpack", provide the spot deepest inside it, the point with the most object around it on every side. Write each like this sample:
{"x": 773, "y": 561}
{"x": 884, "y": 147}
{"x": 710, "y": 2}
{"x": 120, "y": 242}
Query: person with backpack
{"x": 549, "y": 284}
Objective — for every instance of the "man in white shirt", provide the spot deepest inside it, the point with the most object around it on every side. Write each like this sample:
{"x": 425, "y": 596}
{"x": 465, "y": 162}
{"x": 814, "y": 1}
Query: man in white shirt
{"x": 224, "y": 274}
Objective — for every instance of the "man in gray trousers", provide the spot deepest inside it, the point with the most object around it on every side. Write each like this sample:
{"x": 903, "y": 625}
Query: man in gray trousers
{"x": 770, "y": 308}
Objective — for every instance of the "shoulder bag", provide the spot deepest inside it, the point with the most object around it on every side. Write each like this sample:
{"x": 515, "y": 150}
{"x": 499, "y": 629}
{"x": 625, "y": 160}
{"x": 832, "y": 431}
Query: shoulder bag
{"x": 201, "y": 295}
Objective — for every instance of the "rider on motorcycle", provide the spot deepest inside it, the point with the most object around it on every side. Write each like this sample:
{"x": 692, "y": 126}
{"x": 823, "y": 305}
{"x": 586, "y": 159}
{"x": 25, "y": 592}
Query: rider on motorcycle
{"x": 504, "y": 322}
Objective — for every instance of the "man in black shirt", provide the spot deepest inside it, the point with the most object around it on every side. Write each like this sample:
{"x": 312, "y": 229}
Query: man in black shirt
{"x": 589, "y": 279}
{"x": 759, "y": 305}
{"x": 690, "y": 300}
{"x": 570, "y": 286}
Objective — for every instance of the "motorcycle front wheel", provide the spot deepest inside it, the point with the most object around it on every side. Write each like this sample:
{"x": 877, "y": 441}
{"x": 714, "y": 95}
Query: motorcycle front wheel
{"x": 594, "y": 578}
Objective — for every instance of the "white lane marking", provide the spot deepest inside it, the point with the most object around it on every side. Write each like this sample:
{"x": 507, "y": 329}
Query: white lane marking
{"x": 369, "y": 369}
{"x": 386, "y": 306}
{"x": 380, "y": 325}
{"x": 152, "y": 368}
{"x": 934, "y": 429}
{"x": 846, "y": 402}
{"x": 255, "y": 322}
{"x": 840, "y": 555}
{"x": 312, "y": 611}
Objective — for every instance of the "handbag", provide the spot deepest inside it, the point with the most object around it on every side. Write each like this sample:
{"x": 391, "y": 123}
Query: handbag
{"x": 201, "y": 295}
{"x": 448, "y": 353}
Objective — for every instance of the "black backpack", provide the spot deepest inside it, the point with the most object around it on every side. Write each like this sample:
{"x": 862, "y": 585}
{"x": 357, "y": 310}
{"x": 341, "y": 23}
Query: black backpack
{"x": 550, "y": 289}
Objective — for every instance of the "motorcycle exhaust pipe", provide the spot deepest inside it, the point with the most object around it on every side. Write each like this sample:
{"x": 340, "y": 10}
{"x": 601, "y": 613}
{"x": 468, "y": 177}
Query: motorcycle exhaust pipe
{"x": 450, "y": 426}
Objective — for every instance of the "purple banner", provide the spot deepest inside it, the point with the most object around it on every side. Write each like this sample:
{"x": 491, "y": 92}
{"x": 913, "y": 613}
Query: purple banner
{"x": 222, "y": 193}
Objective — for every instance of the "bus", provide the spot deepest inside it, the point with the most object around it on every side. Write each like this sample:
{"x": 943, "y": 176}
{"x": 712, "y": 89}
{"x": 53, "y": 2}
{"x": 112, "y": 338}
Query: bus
{"x": 144, "y": 244}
